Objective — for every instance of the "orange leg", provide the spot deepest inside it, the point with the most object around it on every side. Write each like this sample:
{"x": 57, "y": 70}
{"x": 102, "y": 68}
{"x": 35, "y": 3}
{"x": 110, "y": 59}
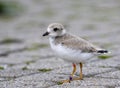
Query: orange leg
{"x": 72, "y": 74}
{"x": 74, "y": 69}
{"x": 81, "y": 75}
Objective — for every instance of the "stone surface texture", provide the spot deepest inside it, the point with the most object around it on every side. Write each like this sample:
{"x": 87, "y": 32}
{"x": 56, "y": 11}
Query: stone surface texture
{"x": 31, "y": 63}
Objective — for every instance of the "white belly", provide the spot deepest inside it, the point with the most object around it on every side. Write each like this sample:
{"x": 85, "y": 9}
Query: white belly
{"x": 71, "y": 55}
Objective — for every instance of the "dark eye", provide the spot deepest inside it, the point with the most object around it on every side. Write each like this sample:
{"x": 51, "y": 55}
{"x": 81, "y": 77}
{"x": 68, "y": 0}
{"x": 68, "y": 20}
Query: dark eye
{"x": 55, "y": 29}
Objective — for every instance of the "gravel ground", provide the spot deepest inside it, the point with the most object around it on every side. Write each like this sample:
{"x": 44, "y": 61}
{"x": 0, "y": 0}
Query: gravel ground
{"x": 26, "y": 60}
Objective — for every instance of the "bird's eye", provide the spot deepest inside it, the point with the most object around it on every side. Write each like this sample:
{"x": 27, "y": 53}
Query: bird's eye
{"x": 55, "y": 29}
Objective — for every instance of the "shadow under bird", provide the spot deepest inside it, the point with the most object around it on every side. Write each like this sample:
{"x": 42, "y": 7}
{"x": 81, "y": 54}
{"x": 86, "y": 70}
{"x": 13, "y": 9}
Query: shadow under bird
{"x": 71, "y": 48}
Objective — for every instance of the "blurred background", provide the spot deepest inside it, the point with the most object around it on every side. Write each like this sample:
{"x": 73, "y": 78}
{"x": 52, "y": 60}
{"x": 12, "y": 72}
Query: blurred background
{"x": 22, "y": 23}
{"x": 26, "y": 59}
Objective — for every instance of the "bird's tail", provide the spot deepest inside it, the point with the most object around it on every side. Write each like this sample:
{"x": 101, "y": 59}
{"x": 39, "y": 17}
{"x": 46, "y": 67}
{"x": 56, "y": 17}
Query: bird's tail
{"x": 102, "y": 51}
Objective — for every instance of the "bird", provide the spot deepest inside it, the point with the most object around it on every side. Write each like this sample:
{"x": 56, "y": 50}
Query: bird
{"x": 71, "y": 48}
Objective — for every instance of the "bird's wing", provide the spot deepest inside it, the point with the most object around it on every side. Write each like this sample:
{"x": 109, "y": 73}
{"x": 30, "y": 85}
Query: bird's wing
{"x": 79, "y": 44}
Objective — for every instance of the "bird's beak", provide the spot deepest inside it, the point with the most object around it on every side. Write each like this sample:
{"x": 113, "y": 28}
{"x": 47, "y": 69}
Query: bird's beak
{"x": 46, "y": 33}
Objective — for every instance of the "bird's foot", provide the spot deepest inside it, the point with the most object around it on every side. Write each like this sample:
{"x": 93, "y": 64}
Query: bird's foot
{"x": 64, "y": 81}
{"x": 70, "y": 79}
{"x": 77, "y": 78}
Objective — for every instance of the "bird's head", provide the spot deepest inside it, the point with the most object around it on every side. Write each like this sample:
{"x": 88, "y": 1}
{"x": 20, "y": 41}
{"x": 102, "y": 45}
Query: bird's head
{"x": 54, "y": 30}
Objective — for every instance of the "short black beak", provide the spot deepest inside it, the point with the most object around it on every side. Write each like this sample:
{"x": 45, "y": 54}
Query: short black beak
{"x": 46, "y": 33}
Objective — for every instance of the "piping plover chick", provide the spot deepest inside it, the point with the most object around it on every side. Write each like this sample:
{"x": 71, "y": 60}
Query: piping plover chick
{"x": 71, "y": 48}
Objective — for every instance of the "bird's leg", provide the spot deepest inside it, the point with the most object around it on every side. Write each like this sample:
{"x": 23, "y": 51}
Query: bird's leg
{"x": 74, "y": 69}
{"x": 71, "y": 77}
{"x": 73, "y": 72}
{"x": 81, "y": 75}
